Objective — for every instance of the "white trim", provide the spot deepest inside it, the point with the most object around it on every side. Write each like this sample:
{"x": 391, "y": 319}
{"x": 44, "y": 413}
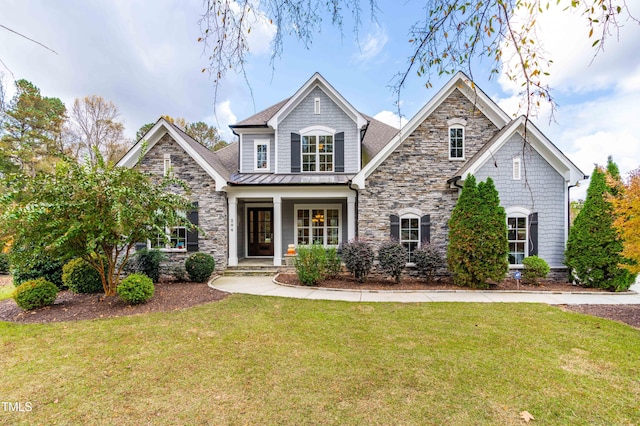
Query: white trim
{"x": 152, "y": 137}
{"x": 241, "y": 155}
{"x": 519, "y": 212}
{"x": 410, "y": 211}
{"x": 166, "y": 164}
{"x": 310, "y": 207}
{"x": 245, "y": 231}
{"x": 410, "y": 216}
{"x": 457, "y": 122}
{"x": 515, "y": 210}
{"x": 256, "y": 143}
{"x": 316, "y": 106}
{"x": 317, "y": 129}
{"x": 167, "y": 246}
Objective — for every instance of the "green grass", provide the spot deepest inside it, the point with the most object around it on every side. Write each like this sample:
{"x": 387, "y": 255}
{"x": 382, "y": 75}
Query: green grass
{"x": 6, "y": 291}
{"x": 263, "y": 361}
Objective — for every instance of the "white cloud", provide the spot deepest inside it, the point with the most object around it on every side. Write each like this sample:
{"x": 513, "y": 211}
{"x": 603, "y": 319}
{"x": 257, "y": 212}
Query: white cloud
{"x": 391, "y": 118}
{"x": 373, "y": 45}
{"x": 262, "y": 29}
{"x": 223, "y": 117}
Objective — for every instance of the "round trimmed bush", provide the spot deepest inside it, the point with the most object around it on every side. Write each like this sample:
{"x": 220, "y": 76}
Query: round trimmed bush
{"x": 136, "y": 289}
{"x": 535, "y": 268}
{"x": 35, "y": 294}
{"x": 200, "y": 266}
{"x": 81, "y": 277}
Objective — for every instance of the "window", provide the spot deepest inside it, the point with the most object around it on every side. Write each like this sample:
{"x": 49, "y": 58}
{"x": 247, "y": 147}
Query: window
{"x": 410, "y": 234}
{"x": 167, "y": 164}
{"x": 261, "y": 155}
{"x": 517, "y": 236}
{"x": 318, "y": 225}
{"x": 517, "y": 173}
{"x": 316, "y": 106}
{"x": 176, "y": 239}
{"x": 456, "y": 142}
{"x": 317, "y": 153}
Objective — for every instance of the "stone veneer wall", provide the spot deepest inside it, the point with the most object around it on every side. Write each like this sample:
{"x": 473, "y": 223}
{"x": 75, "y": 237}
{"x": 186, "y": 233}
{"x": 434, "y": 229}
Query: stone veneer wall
{"x": 212, "y": 206}
{"x": 415, "y": 175}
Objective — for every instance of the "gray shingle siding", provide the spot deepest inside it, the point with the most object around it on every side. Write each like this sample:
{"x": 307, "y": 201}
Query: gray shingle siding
{"x": 541, "y": 189}
{"x": 331, "y": 116}
{"x": 248, "y": 152}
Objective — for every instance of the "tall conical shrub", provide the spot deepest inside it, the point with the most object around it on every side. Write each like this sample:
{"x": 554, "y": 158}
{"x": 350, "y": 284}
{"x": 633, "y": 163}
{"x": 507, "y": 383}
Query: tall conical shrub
{"x": 478, "y": 248}
{"x": 594, "y": 247}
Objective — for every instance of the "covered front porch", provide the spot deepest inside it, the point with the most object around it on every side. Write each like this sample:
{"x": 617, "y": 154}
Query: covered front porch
{"x": 263, "y": 221}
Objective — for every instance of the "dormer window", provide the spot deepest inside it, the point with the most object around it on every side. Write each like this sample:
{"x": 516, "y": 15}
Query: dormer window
{"x": 456, "y": 138}
{"x": 261, "y": 151}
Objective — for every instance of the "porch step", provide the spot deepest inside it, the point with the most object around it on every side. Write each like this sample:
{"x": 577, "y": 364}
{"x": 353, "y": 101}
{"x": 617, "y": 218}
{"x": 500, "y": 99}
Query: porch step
{"x": 250, "y": 271}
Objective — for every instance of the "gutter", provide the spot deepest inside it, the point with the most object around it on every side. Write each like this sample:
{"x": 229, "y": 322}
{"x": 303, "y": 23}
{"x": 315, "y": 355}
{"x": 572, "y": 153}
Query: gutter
{"x": 454, "y": 180}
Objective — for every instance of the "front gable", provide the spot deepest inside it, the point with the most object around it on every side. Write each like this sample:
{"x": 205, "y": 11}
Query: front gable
{"x": 204, "y": 158}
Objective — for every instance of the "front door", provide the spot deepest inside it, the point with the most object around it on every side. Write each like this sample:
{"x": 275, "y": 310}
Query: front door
{"x": 260, "y": 231}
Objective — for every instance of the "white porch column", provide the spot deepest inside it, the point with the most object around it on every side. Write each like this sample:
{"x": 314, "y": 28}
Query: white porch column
{"x": 351, "y": 217}
{"x": 277, "y": 231}
{"x": 233, "y": 231}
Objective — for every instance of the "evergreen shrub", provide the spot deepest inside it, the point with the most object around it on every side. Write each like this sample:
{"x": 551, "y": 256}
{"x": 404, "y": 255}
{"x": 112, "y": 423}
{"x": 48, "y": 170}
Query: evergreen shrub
{"x": 358, "y": 257}
{"x": 428, "y": 260}
{"x": 4, "y": 263}
{"x": 594, "y": 247}
{"x": 80, "y": 277}
{"x": 146, "y": 262}
{"x": 35, "y": 294}
{"x": 199, "y": 267}
{"x": 44, "y": 266}
{"x": 310, "y": 264}
{"x": 392, "y": 258}
{"x": 136, "y": 289}
{"x": 535, "y": 268}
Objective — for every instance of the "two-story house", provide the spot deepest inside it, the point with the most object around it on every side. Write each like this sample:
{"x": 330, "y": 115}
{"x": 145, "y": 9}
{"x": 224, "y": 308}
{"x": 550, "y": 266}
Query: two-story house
{"x": 313, "y": 169}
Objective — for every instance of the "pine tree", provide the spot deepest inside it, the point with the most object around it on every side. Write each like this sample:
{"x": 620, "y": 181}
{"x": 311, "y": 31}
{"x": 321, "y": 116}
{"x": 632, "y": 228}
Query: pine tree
{"x": 478, "y": 249}
{"x": 594, "y": 247}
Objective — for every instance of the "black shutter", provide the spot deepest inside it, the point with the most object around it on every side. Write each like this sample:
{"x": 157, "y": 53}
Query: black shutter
{"x": 295, "y": 153}
{"x": 395, "y": 227}
{"x": 533, "y": 234}
{"x": 425, "y": 229}
{"x": 339, "y": 152}
{"x": 192, "y": 234}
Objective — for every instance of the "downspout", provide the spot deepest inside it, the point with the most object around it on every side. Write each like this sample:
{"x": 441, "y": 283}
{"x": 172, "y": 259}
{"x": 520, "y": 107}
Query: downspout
{"x": 454, "y": 180}
{"x": 356, "y": 206}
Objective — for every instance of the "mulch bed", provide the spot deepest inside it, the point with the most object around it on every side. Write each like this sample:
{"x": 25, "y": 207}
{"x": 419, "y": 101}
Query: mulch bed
{"x": 171, "y": 296}
{"x": 69, "y": 306}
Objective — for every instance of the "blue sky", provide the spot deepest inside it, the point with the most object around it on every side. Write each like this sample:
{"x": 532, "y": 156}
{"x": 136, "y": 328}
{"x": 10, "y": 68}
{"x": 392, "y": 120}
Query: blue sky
{"x": 145, "y": 58}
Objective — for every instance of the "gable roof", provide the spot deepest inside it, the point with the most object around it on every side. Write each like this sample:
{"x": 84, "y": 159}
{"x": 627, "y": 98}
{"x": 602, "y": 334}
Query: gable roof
{"x": 536, "y": 139}
{"x": 261, "y": 118}
{"x": 316, "y": 80}
{"x": 211, "y": 163}
{"x": 491, "y": 110}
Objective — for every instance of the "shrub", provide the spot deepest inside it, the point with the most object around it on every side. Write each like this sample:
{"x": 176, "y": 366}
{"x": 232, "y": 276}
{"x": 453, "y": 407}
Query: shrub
{"x": 392, "y": 257}
{"x": 358, "y": 257}
{"x": 80, "y": 277}
{"x": 478, "y": 246}
{"x": 43, "y": 266}
{"x": 179, "y": 273}
{"x": 200, "y": 266}
{"x": 535, "y": 268}
{"x": 4, "y": 263}
{"x": 333, "y": 266}
{"x": 135, "y": 289}
{"x": 146, "y": 262}
{"x": 35, "y": 294}
{"x": 594, "y": 248}
{"x": 428, "y": 260}
{"x": 311, "y": 263}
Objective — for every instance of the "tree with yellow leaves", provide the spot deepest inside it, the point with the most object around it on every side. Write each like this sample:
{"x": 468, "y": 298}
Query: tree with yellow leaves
{"x": 626, "y": 205}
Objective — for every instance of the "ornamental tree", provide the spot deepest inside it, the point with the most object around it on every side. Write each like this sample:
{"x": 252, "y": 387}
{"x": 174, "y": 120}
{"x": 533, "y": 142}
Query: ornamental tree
{"x": 97, "y": 212}
{"x": 478, "y": 248}
{"x": 594, "y": 248}
{"x": 626, "y": 206}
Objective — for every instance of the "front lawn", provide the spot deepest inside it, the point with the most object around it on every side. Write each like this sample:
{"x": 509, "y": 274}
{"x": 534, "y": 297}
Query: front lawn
{"x": 263, "y": 360}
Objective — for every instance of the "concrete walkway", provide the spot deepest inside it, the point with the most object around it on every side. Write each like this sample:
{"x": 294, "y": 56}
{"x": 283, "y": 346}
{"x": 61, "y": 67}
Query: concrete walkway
{"x": 264, "y": 286}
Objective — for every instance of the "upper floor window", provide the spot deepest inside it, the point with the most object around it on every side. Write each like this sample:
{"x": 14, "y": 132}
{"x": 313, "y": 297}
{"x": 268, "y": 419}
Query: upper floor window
{"x": 456, "y": 138}
{"x": 456, "y": 142}
{"x": 317, "y": 153}
{"x": 261, "y": 155}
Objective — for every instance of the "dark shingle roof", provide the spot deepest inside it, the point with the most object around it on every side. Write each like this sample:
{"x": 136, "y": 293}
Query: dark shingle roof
{"x": 376, "y": 137}
{"x": 261, "y": 118}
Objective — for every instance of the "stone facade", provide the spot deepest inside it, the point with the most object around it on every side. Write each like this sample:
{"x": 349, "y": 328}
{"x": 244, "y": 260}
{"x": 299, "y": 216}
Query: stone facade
{"x": 212, "y": 210}
{"x": 413, "y": 179}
